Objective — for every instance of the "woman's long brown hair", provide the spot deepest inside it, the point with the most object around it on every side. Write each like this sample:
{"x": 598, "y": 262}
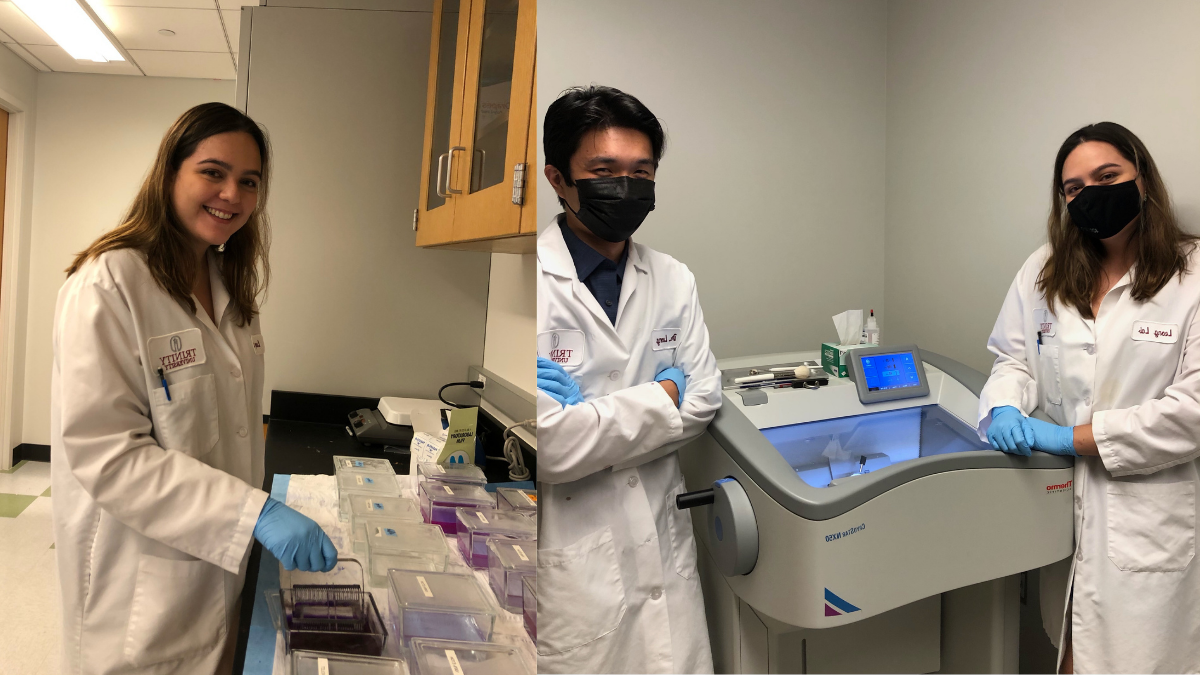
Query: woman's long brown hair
{"x": 1072, "y": 272}
{"x": 152, "y": 227}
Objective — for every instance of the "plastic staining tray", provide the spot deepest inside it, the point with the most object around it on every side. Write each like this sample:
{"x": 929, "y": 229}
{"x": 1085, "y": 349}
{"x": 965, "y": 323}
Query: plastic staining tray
{"x": 476, "y": 525}
{"x": 509, "y": 562}
{"x": 529, "y": 586}
{"x": 327, "y": 663}
{"x": 361, "y": 483}
{"x": 443, "y": 606}
{"x": 364, "y": 506}
{"x": 439, "y": 501}
{"x": 467, "y": 474}
{"x": 339, "y": 618}
{"x": 346, "y": 464}
{"x": 393, "y": 544}
{"x": 516, "y": 499}
{"x": 443, "y": 657}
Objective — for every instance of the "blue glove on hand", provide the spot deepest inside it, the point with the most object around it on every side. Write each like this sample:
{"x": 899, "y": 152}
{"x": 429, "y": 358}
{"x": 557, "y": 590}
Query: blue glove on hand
{"x": 1010, "y": 431}
{"x": 558, "y": 385}
{"x": 675, "y": 375}
{"x": 1052, "y": 438}
{"x": 295, "y": 539}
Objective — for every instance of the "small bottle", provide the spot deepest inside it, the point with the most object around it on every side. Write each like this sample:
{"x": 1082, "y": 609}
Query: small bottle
{"x": 872, "y": 329}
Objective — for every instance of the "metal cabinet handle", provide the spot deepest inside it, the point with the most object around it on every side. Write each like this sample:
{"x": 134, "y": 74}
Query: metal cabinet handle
{"x": 450, "y": 170}
{"x": 441, "y": 174}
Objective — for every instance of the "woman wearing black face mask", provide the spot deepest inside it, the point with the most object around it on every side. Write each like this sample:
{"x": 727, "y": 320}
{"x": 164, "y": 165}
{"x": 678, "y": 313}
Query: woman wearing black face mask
{"x": 1100, "y": 331}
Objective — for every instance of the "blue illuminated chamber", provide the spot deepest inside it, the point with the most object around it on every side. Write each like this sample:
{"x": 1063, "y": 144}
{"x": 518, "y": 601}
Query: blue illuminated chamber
{"x": 827, "y": 450}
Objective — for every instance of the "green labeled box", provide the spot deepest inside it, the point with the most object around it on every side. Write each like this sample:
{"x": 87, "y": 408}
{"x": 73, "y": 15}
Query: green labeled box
{"x": 833, "y": 357}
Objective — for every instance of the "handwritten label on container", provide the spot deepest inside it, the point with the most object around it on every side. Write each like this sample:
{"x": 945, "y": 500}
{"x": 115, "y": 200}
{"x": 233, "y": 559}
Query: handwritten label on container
{"x": 520, "y": 553}
{"x": 322, "y": 666}
{"x": 424, "y": 587}
{"x": 455, "y": 666}
{"x": 481, "y": 517}
{"x": 448, "y": 490}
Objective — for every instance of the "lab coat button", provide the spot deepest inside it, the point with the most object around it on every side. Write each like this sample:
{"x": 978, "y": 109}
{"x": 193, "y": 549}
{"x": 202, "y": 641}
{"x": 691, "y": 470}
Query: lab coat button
{"x": 242, "y": 432}
{"x": 237, "y": 374}
{"x": 614, "y": 375}
{"x": 1091, "y": 349}
{"x": 656, "y": 593}
{"x": 633, "y": 481}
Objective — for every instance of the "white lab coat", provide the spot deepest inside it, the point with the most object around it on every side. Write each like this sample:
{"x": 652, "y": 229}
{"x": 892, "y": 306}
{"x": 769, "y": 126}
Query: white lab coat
{"x": 1134, "y": 374}
{"x": 617, "y": 583}
{"x": 155, "y": 502}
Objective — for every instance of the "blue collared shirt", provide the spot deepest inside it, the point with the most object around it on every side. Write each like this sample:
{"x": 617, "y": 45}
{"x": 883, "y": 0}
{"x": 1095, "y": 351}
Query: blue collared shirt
{"x": 601, "y": 275}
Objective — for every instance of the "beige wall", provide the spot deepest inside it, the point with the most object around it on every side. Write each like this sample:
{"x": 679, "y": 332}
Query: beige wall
{"x": 980, "y": 96}
{"x": 510, "y": 347}
{"x": 96, "y": 138}
{"x": 355, "y": 307}
{"x": 775, "y": 157}
{"x": 18, "y": 95}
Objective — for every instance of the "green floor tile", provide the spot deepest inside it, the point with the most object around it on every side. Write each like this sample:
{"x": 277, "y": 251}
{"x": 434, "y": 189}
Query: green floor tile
{"x": 46, "y": 493}
{"x": 15, "y": 467}
{"x": 11, "y": 506}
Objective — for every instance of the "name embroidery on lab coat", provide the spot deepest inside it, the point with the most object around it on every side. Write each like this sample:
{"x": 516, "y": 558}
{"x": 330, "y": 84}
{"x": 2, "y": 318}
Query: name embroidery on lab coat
{"x": 174, "y": 351}
{"x": 1148, "y": 331}
{"x": 664, "y": 338}
{"x": 564, "y": 347}
{"x": 256, "y": 342}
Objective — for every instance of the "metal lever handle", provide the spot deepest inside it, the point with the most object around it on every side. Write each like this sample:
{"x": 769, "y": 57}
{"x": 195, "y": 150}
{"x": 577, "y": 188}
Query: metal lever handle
{"x": 450, "y": 170}
{"x": 690, "y": 500}
{"x": 441, "y": 174}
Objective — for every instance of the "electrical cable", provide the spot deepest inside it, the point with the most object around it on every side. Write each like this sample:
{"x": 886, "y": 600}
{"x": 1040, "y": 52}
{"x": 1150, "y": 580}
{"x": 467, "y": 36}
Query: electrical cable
{"x": 512, "y": 451}
{"x": 474, "y": 384}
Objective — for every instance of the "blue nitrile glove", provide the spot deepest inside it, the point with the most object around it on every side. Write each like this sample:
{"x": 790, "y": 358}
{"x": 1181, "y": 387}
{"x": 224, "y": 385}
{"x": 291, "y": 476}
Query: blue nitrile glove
{"x": 1052, "y": 438}
{"x": 1010, "y": 431}
{"x": 675, "y": 375}
{"x": 295, "y": 539}
{"x": 558, "y": 385}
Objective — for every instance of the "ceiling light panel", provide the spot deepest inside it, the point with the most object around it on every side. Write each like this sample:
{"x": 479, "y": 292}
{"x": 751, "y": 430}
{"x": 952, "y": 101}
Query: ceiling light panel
{"x": 196, "y": 30}
{"x": 20, "y": 27}
{"x": 59, "y": 60}
{"x": 71, "y": 27}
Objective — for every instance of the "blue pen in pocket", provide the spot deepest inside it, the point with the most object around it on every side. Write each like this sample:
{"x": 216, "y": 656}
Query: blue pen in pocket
{"x": 166, "y": 389}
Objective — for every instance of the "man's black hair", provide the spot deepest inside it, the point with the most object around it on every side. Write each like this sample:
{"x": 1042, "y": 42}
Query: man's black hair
{"x": 580, "y": 110}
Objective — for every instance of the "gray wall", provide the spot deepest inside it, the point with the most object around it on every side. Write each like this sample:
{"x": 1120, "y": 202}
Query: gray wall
{"x": 775, "y": 159}
{"x": 980, "y": 96}
{"x": 355, "y": 307}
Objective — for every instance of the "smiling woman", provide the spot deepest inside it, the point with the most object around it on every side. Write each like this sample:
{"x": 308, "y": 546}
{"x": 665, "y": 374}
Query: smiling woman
{"x": 154, "y": 403}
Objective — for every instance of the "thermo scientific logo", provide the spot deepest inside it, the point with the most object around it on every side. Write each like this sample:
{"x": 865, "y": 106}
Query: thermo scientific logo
{"x": 1061, "y": 487}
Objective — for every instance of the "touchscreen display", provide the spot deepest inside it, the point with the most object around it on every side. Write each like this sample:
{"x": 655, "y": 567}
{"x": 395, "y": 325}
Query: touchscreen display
{"x": 890, "y": 371}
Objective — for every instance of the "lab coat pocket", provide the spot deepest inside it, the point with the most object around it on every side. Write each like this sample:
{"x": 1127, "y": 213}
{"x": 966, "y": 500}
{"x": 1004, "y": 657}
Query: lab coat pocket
{"x": 581, "y": 598}
{"x": 1049, "y": 377}
{"x": 178, "y": 610}
{"x": 683, "y": 541}
{"x": 1151, "y": 526}
{"x": 188, "y": 422}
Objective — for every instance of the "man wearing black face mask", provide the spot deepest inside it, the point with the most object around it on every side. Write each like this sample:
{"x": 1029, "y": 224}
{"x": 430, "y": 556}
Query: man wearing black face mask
{"x": 625, "y": 377}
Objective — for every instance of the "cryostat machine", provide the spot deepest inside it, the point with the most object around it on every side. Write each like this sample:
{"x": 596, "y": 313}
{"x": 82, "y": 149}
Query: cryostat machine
{"x": 860, "y": 524}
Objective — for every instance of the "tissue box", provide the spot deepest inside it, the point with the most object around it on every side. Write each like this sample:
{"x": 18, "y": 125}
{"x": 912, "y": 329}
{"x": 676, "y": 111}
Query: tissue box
{"x": 833, "y": 357}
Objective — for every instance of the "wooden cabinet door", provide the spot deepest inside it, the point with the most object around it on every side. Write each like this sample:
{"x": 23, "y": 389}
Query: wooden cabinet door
{"x": 443, "y": 120}
{"x": 497, "y": 106}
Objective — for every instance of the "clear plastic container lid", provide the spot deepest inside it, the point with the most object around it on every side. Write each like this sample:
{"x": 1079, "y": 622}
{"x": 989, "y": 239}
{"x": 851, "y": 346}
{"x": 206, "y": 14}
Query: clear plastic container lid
{"x": 448, "y": 494}
{"x": 368, "y": 483}
{"x": 439, "y": 605}
{"x": 390, "y": 535}
{"x": 373, "y": 506}
{"x": 513, "y": 555}
{"x": 446, "y": 657}
{"x": 347, "y": 464}
{"x": 451, "y": 473}
{"x": 516, "y": 499}
{"x": 476, "y": 522}
{"x": 326, "y": 663}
